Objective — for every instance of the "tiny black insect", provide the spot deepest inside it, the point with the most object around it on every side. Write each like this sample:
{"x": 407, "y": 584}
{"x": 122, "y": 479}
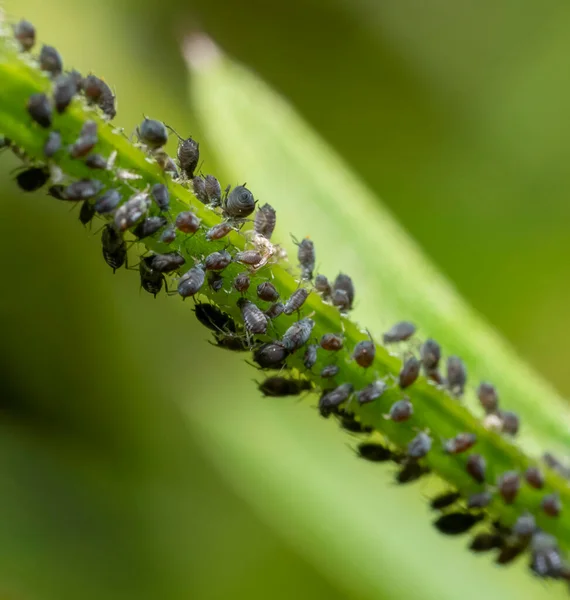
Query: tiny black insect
{"x": 476, "y": 467}
{"x": 456, "y": 375}
{"x": 239, "y": 203}
{"x": 191, "y": 282}
{"x": 310, "y": 356}
{"x": 283, "y": 386}
{"x": 149, "y": 226}
{"x": 400, "y": 332}
{"x": 364, "y": 353}
{"x": 84, "y": 189}
{"x": 271, "y": 355}
{"x": 296, "y": 301}
{"x": 525, "y": 525}
{"x": 64, "y": 89}
{"x": 199, "y": 189}
{"x": 411, "y": 472}
{"x": 213, "y": 190}
{"x": 444, "y": 500}
{"x": 152, "y": 133}
{"x": 242, "y": 282}
{"x": 509, "y": 552}
{"x": 151, "y": 280}
{"x": 371, "y": 392}
{"x": 254, "y": 319}
{"x": 510, "y": 422}
{"x": 329, "y": 371}
{"x": 25, "y": 33}
{"x": 409, "y": 372}
{"x": 344, "y": 300}
{"x": 215, "y": 281}
{"x": 460, "y": 443}
{"x": 39, "y": 108}
{"x": 534, "y": 477}
{"x": 32, "y": 179}
{"x": 217, "y": 261}
{"x": 275, "y": 310}
{"x": 479, "y": 500}
{"x": 188, "y": 156}
{"x": 349, "y": 423}
{"x": 53, "y": 144}
{"x": 419, "y": 446}
{"x": 375, "y": 452}
{"x": 214, "y": 318}
{"x": 219, "y": 231}
{"x": 232, "y": 342}
{"x": 267, "y": 291}
{"x": 265, "y": 220}
{"x": 551, "y": 505}
{"x": 488, "y": 397}
{"x": 483, "y": 542}
{"x": 401, "y": 410}
{"x": 86, "y": 213}
{"x": 107, "y": 202}
{"x": 132, "y": 211}
{"x": 508, "y": 485}
{"x": 166, "y": 263}
{"x": 98, "y": 92}
{"x": 306, "y": 257}
{"x": 430, "y": 353}
{"x": 545, "y": 555}
{"x": 114, "y": 247}
{"x": 457, "y": 522}
{"x": 50, "y": 60}
{"x": 96, "y": 161}
{"x": 332, "y": 399}
{"x": 168, "y": 235}
{"x": 86, "y": 140}
{"x": 323, "y": 286}
{"x": 298, "y": 334}
{"x": 248, "y": 257}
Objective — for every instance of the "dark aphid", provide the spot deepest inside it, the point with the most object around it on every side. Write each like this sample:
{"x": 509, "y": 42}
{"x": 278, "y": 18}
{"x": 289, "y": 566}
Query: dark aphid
{"x": 215, "y": 281}
{"x": 235, "y": 343}
{"x": 329, "y": 371}
{"x": 199, "y": 189}
{"x": 298, "y": 334}
{"x": 508, "y": 484}
{"x": 253, "y": 317}
{"x": 401, "y": 410}
{"x": 364, "y": 353}
{"x": 84, "y": 189}
{"x": 265, "y": 219}
{"x": 371, "y": 392}
{"x": 188, "y": 156}
{"x": 310, "y": 357}
{"x": 306, "y": 257}
{"x": 151, "y": 280}
{"x": 107, "y": 104}
{"x": 510, "y": 422}
{"x": 349, "y": 423}
{"x": 40, "y": 110}
{"x": 32, "y": 179}
{"x": 114, "y": 247}
{"x": 420, "y": 445}
{"x": 214, "y": 318}
{"x": 484, "y": 542}
{"x": 400, "y": 332}
{"x": 64, "y": 89}
{"x": 411, "y": 472}
{"x": 86, "y": 213}
{"x": 98, "y": 92}
{"x": 187, "y": 222}
{"x": 331, "y": 341}
{"x": 460, "y": 443}
{"x": 152, "y": 133}
{"x": 456, "y": 375}
{"x": 430, "y": 354}
{"x": 551, "y": 505}
{"x": 275, "y": 310}
{"x": 524, "y": 526}
{"x": 283, "y": 386}
{"x": 545, "y": 555}
{"x": 217, "y": 261}
{"x": 166, "y": 263}
{"x": 219, "y": 231}
{"x": 509, "y": 552}
{"x": 50, "y": 60}
{"x": 343, "y": 283}
{"x": 457, "y": 523}
{"x": 160, "y": 195}
{"x": 131, "y": 211}
{"x": 86, "y": 140}
{"x": 479, "y": 500}
{"x": 213, "y": 190}
{"x": 53, "y": 144}
{"x": 341, "y": 300}
{"x": 248, "y": 257}
{"x": 271, "y": 355}
{"x": 149, "y": 226}
{"x": 267, "y": 291}
{"x": 296, "y": 300}
{"x": 409, "y": 372}
{"x": 488, "y": 397}
{"x": 25, "y": 33}
{"x": 240, "y": 203}
{"x": 191, "y": 282}
{"x": 331, "y": 400}
{"x": 444, "y": 500}
{"x": 476, "y": 467}
{"x": 107, "y": 202}
{"x": 96, "y": 161}
{"x": 323, "y": 286}
{"x": 374, "y": 452}
{"x": 168, "y": 235}
{"x": 241, "y": 282}
{"x": 57, "y": 191}
{"x": 534, "y": 477}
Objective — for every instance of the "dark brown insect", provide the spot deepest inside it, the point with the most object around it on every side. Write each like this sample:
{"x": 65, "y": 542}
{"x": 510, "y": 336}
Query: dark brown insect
{"x": 239, "y": 203}
{"x": 64, "y": 89}
{"x": 265, "y": 219}
{"x": 298, "y": 334}
{"x": 86, "y": 140}
{"x": 86, "y": 213}
{"x": 149, "y": 226}
{"x": 430, "y": 354}
{"x": 187, "y": 222}
{"x": 296, "y": 301}
{"x": 350, "y": 423}
{"x": 50, "y": 60}
{"x": 310, "y": 357}
{"x": 323, "y": 286}
{"x": 199, "y": 189}
{"x": 166, "y": 263}
{"x": 98, "y": 92}
{"x": 217, "y": 261}
{"x": 460, "y": 443}
{"x": 534, "y": 477}
{"x": 488, "y": 397}
{"x": 275, "y": 310}
{"x": 343, "y": 292}
{"x": 476, "y": 467}
{"x": 271, "y": 355}
{"x": 524, "y": 526}
{"x": 510, "y": 422}
{"x": 191, "y": 282}
{"x": 400, "y": 332}
{"x": 214, "y": 318}
{"x": 331, "y": 342}
{"x": 374, "y": 452}
{"x": 509, "y": 552}
{"x": 444, "y": 500}
{"x": 131, "y": 211}
{"x": 419, "y": 446}
{"x": 253, "y": 317}
{"x": 364, "y": 353}
{"x": 25, "y": 33}
{"x": 114, "y": 247}
{"x": 248, "y": 257}
{"x": 332, "y": 399}
{"x": 168, "y": 235}
{"x": 242, "y": 282}
{"x": 456, "y": 375}
{"x": 508, "y": 484}
{"x": 306, "y": 257}
{"x": 215, "y": 281}
{"x": 188, "y": 156}
{"x": 39, "y": 108}
{"x": 329, "y": 371}
{"x": 151, "y": 280}
{"x": 96, "y": 161}
{"x": 551, "y": 505}
{"x": 479, "y": 500}
{"x": 107, "y": 202}
{"x": 230, "y": 341}
{"x": 219, "y": 231}
{"x": 371, "y": 392}
{"x": 32, "y": 179}
{"x": 283, "y": 386}
{"x": 152, "y": 133}
{"x": 409, "y": 372}
{"x": 213, "y": 190}
{"x": 484, "y": 542}
{"x": 160, "y": 194}
{"x": 84, "y": 189}
{"x": 411, "y": 472}
{"x": 401, "y": 410}
{"x": 267, "y": 291}
{"x": 57, "y": 192}
{"x": 457, "y": 523}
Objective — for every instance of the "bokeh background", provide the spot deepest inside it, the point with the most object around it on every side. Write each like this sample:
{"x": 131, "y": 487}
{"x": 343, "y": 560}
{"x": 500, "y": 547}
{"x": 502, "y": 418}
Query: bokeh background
{"x": 455, "y": 113}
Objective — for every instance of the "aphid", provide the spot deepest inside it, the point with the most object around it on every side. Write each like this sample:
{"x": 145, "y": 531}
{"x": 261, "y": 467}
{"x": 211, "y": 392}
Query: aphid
{"x": 524, "y": 526}
{"x": 152, "y": 133}
{"x": 50, "y": 60}
{"x": 57, "y": 192}
{"x": 430, "y": 354}
{"x": 215, "y": 281}
{"x": 457, "y": 523}
{"x": 330, "y": 341}
{"x": 271, "y": 355}
{"x": 275, "y": 310}
{"x": 84, "y": 189}
{"x": 230, "y": 341}
{"x": 219, "y": 231}
{"x": 349, "y": 423}
{"x": 456, "y": 375}
{"x": 64, "y": 89}
{"x": 266, "y": 291}
{"x": 248, "y": 257}
{"x": 411, "y": 472}
{"x": 420, "y": 445}
{"x": 25, "y": 33}
{"x": 107, "y": 202}
{"x": 298, "y": 334}
{"x": 166, "y": 163}
{"x": 400, "y": 332}
{"x": 371, "y": 392}
{"x": 332, "y": 399}
{"x": 341, "y": 300}
{"x": 187, "y": 222}
{"x": 265, "y": 219}
{"x": 217, "y": 261}
{"x": 240, "y": 203}
{"x": 151, "y": 280}
{"x": 401, "y": 410}
{"x": 329, "y": 371}
{"x": 534, "y": 477}
{"x": 131, "y": 211}
{"x": 476, "y": 467}
{"x": 214, "y": 318}
{"x": 310, "y": 357}
{"x": 323, "y": 286}
{"x": 508, "y": 484}
{"x": 166, "y": 263}
{"x": 53, "y": 144}
{"x": 479, "y": 500}
{"x": 510, "y": 422}
{"x": 114, "y": 247}
{"x": 86, "y": 140}
{"x": 168, "y": 235}
{"x": 306, "y": 257}
{"x": 159, "y": 193}
{"x": 343, "y": 283}
{"x": 191, "y": 282}
{"x": 213, "y": 190}
{"x": 409, "y": 372}
{"x": 364, "y": 353}
{"x": 374, "y": 452}
{"x": 242, "y": 282}
{"x": 295, "y": 301}
{"x": 149, "y": 226}
{"x": 32, "y": 179}
{"x": 551, "y": 505}
{"x": 488, "y": 397}
{"x": 98, "y": 92}
{"x": 509, "y": 552}
{"x": 253, "y": 317}
{"x": 199, "y": 189}
{"x": 444, "y": 500}
{"x": 460, "y": 443}
{"x": 40, "y": 110}
{"x": 86, "y": 213}
{"x": 283, "y": 386}
{"x": 107, "y": 103}
{"x": 96, "y": 161}
{"x": 483, "y": 542}
{"x": 545, "y": 555}
{"x": 188, "y": 156}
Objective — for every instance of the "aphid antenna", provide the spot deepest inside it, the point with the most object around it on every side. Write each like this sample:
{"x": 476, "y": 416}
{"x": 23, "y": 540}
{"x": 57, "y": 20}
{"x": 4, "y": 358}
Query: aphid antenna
{"x": 180, "y": 138}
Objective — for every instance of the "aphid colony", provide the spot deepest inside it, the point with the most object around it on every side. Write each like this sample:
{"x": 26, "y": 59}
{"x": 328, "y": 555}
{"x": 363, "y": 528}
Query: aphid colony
{"x": 238, "y": 282}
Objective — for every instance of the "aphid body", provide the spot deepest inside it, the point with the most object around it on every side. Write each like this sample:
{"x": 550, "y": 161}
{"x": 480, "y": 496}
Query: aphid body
{"x": 217, "y": 261}
{"x": 283, "y": 386}
{"x": 310, "y": 357}
{"x": 401, "y": 410}
{"x": 266, "y": 291}
{"x": 39, "y": 108}
{"x": 114, "y": 247}
{"x": 149, "y": 226}
{"x": 457, "y": 523}
{"x": 151, "y": 280}
{"x": 331, "y": 341}
{"x": 306, "y": 258}
{"x": 265, "y": 219}
{"x": 160, "y": 195}
{"x": 371, "y": 392}
{"x": 508, "y": 484}
{"x": 460, "y": 443}
{"x": 214, "y": 318}
{"x": 241, "y": 283}
{"x": 295, "y": 301}
{"x": 191, "y": 282}
{"x": 476, "y": 467}
{"x": 152, "y": 133}
{"x": 166, "y": 263}
{"x": 364, "y": 353}
{"x": 187, "y": 222}
{"x": 400, "y": 332}
{"x": 50, "y": 60}
{"x": 271, "y": 355}
{"x": 129, "y": 213}
{"x": 25, "y": 33}
{"x": 107, "y": 202}
{"x": 298, "y": 334}
{"x": 409, "y": 372}
{"x": 254, "y": 319}
{"x": 32, "y": 179}
{"x": 420, "y": 445}
{"x": 239, "y": 203}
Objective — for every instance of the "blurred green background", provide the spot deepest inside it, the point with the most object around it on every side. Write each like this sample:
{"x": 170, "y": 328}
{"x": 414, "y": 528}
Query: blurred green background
{"x": 455, "y": 113}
